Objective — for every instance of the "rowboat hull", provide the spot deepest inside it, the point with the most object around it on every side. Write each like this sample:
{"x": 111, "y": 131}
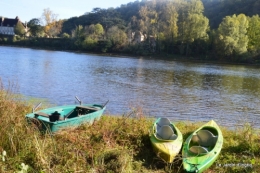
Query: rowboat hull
{"x": 69, "y": 116}
{"x": 199, "y": 162}
{"x": 166, "y": 149}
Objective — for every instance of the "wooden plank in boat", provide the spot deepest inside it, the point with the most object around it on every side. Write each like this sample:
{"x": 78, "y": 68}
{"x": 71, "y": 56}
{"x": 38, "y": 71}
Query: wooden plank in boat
{"x": 41, "y": 114}
{"x": 87, "y": 107}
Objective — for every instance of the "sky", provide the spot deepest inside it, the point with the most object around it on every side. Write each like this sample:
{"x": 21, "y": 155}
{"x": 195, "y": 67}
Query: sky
{"x": 65, "y": 9}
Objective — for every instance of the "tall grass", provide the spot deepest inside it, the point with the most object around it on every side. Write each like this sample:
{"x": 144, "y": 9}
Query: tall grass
{"x": 12, "y": 121}
{"x": 117, "y": 144}
{"x": 20, "y": 141}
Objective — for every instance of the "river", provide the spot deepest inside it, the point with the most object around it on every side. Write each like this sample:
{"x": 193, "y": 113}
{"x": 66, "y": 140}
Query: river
{"x": 187, "y": 91}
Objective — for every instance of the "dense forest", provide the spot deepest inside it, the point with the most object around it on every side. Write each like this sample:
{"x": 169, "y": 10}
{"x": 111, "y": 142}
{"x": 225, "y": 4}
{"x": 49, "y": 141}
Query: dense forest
{"x": 226, "y": 30}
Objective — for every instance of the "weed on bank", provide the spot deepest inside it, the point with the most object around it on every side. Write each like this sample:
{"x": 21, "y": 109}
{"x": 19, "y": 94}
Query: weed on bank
{"x": 112, "y": 144}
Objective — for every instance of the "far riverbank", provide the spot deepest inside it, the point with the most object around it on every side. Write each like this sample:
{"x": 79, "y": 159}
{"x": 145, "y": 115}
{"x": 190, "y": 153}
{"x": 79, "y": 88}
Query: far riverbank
{"x": 68, "y": 45}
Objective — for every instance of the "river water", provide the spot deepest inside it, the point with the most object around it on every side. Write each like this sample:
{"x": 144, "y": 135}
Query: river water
{"x": 229, "y": 94}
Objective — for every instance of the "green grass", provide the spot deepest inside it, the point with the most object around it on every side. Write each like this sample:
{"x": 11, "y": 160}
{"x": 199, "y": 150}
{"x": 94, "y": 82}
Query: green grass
{"x": 112, "y": 144}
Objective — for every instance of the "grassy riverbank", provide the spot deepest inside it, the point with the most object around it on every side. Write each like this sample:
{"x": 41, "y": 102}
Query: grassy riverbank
{"x": 113, "y": 144}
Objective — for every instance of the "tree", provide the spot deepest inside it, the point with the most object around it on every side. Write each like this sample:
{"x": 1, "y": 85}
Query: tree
{"x": 117, "y": 37}
{"x": 171, "y": 18}
{"x": 19, "y": 29}
{"x": 35, "y": 27}
{"x": 52, "y": 25}
{"x": 95, "y": 31}
{"x": 197, "y": 26}
{"x": 167, "y": 25}
{"x": 253, "y": 34}
{"x": 78, "y": 34}
{"x": 48, "y": 17}
{"x": 99, "y": 30}
{"x": 148, "y": 23}
{"x": 87, "y": 37}
{"x": 89, "y": 43}
{"x": 196, "y": 7}
{"x": 232, "y": 35}
{"x": 54, "y": 28}
{"x": 193, "y": 24}
{"x": 243, "y": 38}
{"x": 65, "y": 35}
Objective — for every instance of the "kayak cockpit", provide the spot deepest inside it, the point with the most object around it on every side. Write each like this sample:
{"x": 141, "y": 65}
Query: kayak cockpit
{"x": 203, "y": 141}
{"x": 166, "y": 133}
{"x": 165, "y": 130}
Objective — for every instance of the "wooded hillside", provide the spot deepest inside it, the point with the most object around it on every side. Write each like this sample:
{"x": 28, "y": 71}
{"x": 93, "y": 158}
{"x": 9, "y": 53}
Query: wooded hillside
{"x": 214, "y": 10}
{"x": 226, "y": 30}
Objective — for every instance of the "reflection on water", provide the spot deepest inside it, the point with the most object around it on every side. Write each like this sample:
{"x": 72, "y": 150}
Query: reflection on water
{"x": 228, "y": 94}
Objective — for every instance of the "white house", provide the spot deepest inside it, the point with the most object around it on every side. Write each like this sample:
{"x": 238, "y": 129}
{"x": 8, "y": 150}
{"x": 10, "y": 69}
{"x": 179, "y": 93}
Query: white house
{"x": 137, "y": 37}
{"x": 7, "y": 25}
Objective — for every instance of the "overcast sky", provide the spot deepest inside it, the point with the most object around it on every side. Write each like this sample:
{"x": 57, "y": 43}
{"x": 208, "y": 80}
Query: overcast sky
{"x": 29, "y": 9}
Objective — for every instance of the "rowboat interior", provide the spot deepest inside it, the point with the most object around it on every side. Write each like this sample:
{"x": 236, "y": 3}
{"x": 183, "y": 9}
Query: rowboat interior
{"x": 64, "y": 114}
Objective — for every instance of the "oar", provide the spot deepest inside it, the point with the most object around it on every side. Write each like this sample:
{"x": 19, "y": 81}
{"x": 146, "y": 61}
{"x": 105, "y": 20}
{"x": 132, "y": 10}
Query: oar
{"x": 105, "y": 104}
{"x": 78, "y": 100}
{"x": 36, "y": 107}
{"x": 66, "y": 116}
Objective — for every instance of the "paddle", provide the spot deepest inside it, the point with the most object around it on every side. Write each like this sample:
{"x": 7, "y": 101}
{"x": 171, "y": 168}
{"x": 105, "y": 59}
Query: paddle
{"x": 36, "y": 107}
{"x": 80, "y": 102}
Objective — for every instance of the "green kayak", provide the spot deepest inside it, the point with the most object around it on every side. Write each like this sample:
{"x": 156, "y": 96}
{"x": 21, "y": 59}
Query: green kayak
{"x": 166, "y": 139}
{"x": 202, "y": 148}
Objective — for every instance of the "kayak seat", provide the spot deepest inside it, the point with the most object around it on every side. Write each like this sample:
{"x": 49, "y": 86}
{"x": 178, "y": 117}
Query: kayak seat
{"x": 205, "y": 139}
{"x": 198, "y": 150}
{"x": 173, "y": 137}
{"x": 163, "y": 121}
{"x": 166, "y": 133}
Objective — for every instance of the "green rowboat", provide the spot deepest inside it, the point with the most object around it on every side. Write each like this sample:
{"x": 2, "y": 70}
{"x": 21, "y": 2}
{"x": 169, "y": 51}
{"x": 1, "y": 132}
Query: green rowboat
{"x": 166, "y": 139}
{"x": 202, "y": 148}
{"x": 61, "y": 117}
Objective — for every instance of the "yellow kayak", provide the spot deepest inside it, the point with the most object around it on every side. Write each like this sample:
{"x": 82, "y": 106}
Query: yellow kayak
{"x": 166, "y": 139}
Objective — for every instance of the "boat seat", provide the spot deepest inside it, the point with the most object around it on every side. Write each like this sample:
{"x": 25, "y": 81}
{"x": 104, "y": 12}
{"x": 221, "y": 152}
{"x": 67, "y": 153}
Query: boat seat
{"x": 163, "y": 121}
{"x": 87, "y": 107}
{"x": 41, "y": 114}
{"x": 198, "y": 150}
{"x": 173, "y": 137}
{"x": 166, "y": 133}
{"x": 205, "y": 139}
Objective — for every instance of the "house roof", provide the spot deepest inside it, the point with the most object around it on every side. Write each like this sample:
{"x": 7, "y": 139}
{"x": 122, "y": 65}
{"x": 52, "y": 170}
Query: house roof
{"x": 8, "y": 22}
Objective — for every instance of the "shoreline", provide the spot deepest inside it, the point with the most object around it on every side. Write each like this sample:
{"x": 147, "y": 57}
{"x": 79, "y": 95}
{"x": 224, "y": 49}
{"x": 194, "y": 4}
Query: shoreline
{"x": 167, "y": 57}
